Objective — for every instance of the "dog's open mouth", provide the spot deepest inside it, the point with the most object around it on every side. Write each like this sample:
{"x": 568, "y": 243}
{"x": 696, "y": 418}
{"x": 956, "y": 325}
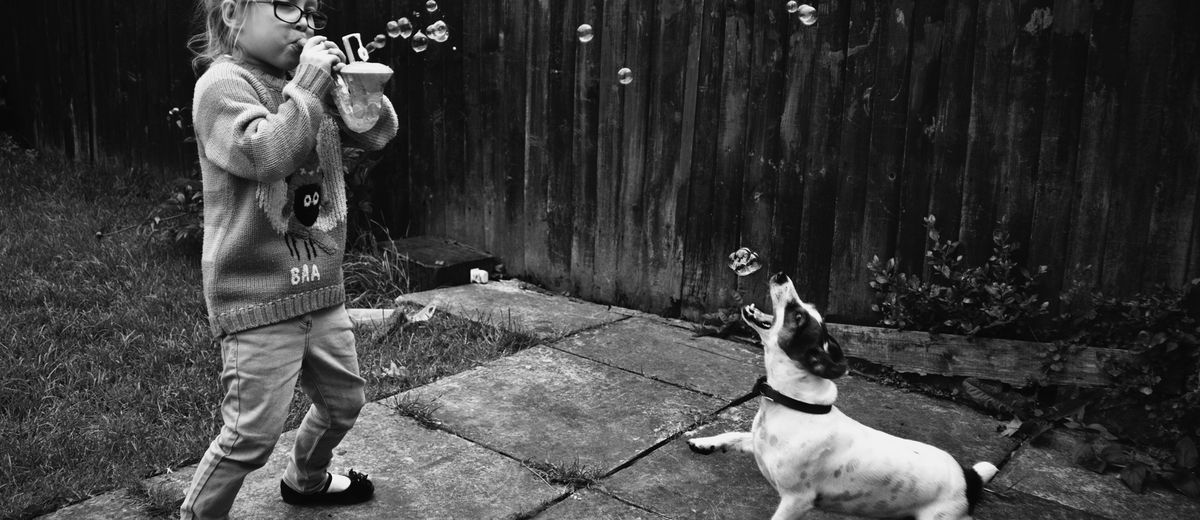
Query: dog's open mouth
{"x": 757, "y": 318}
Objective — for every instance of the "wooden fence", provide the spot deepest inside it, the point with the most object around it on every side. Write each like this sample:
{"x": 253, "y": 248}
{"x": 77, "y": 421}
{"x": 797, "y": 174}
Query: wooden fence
{"x": 820, "y": 146}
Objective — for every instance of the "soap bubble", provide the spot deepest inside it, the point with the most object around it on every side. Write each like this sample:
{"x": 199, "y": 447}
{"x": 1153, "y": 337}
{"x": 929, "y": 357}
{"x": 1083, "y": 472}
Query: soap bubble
{"x": 380, "y": 41}
{"x": 625, "y": 76}
{"x": 405, "y": 27}
{"x": 808, "y": 14}
{"x": 793, "y": 6}
{"x": 431, "y": 6}
{"x": 371, "y": 46}
{"x": 585, "y": 33}
{"x": 420, "y": 42}
{"x": 437, "y": 31}
{"x": 393, "y": 29}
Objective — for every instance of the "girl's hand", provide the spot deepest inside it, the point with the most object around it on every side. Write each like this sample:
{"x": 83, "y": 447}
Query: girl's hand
{"x": 322, "y": 53}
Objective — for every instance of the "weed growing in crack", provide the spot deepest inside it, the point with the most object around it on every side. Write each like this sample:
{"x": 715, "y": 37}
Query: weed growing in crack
{"x": 574, "y": 475}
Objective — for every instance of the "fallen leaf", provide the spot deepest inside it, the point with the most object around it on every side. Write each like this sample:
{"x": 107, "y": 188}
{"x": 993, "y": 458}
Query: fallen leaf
{"x": 1184, "y": 481}
{"x": 1134, "y": 476}
{"x": 1185, "y": 453}
{"x": 424, "y": 314}
{"x": 1011, "y": 428}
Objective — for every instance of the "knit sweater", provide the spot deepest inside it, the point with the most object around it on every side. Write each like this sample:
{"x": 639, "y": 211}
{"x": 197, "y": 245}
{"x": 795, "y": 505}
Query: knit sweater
{"x": 274, "y": 193}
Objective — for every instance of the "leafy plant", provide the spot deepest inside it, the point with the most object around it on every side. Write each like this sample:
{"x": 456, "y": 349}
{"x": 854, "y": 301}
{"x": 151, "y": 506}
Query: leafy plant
{"x": 179, "y": 218}
{"x": 574, "y": 475}
{"x": 1155, "y": 396}
{"x": 725, "y": 322}
{"x": 998, "y": 298}
{"x": 1181, "y": 470}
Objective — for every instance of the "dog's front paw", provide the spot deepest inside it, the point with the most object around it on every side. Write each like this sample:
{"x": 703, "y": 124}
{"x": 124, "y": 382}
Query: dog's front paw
{"x": 703, "y": 445}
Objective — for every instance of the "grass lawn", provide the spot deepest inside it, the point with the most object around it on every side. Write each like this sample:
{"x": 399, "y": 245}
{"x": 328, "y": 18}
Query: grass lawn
{"x": 109, "y": 371}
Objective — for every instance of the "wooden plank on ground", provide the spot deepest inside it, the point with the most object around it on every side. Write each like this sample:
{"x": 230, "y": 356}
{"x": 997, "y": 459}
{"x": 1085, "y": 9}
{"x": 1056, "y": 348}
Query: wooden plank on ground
{"x": 1013, "y": 362}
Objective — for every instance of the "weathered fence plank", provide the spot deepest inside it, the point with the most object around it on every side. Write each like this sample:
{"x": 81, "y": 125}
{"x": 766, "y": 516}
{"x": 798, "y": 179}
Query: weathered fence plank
{"x": 610, "y": 166}
{"x": 584, "y": 147}
{"x": 1061, "y": 112}
{"x": 761, "y": 155}
{"x": 710, "y": 228}
{"x": 1138, "y": 165}
{"x": 889, "y": 110}
{"x": 824, "y": 151}
{"x": 917, "y": 174}
{"x": 1098, "y": 145}
{"x": 633, "y": 261}
{"x": 848, "y": 265}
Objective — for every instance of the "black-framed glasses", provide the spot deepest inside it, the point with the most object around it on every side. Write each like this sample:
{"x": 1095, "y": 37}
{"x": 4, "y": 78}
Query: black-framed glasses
{"x": 288, "y": 12}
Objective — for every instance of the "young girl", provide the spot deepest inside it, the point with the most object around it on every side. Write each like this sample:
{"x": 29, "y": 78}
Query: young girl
{"x": 274, "y": 231}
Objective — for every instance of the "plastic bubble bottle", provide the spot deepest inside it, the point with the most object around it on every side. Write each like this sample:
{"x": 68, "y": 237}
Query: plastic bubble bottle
{"x": 359, "y": 91}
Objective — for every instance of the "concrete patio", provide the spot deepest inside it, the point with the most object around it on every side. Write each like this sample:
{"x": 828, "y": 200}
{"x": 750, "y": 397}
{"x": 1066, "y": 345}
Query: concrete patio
{"x": 618, "y": 392}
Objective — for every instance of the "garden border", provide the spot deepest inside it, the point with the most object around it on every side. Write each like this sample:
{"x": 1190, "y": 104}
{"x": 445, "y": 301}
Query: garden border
{"x": 1011, "y": 361}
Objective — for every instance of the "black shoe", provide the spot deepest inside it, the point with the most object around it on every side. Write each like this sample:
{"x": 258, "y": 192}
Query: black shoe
{"x": 360, "y": 490}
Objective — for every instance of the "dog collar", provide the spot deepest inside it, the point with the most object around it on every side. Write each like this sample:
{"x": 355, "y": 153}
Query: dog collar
{"x": 765, "y": 390}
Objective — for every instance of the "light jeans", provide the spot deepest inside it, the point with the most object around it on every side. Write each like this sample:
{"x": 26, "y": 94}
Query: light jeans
{"x": 262, "y": 366}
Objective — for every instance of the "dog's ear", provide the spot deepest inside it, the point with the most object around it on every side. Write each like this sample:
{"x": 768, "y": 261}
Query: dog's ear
{"x": 808, "y": 343}
{"x": 827, "y": 359}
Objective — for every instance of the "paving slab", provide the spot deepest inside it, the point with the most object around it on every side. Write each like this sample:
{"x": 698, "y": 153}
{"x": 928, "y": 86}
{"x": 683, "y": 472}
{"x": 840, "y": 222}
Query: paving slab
{"x": 370, "y": 319}
{"x": 1048, "y": 471}
{"x": 418, "y": 473}
{"x": 589, "y": 505}
{"x": 546, "y": 316}
{"x": 674, "y": 481}
{"x": 550, "y": 406}
{"x": 672, "y": 354}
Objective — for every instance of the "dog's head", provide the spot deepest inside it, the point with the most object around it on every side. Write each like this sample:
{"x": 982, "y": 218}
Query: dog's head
{"x": 796, "y": 328}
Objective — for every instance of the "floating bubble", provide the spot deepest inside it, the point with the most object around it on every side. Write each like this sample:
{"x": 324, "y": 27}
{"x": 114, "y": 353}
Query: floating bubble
{"x": 585, "y": 33}
{"x": 625, "y": 76}
{"x": 808, "y": 14}
{"x": 405, "y": 26}
{"x": 744, "y": 261}
{"x": 431, "y": 6}
{"x": 420, "y": 42}
{"x": 793, "y": 6}
{"x": 438, "y": 31}
{"x": 393, "y": 29}
{"x": 371, "y": 46}
{"x": 380, "y": 41}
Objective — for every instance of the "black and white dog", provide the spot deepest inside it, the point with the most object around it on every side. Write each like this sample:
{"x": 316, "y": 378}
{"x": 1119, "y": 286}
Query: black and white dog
{"x": 817, "y": 457}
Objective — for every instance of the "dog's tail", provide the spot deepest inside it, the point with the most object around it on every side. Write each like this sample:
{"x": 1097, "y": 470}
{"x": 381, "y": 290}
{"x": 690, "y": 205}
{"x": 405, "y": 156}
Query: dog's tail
{"x": 977, "y": 476}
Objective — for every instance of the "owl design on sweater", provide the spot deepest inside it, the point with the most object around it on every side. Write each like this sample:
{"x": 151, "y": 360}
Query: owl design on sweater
{"x": 303, "y": 208}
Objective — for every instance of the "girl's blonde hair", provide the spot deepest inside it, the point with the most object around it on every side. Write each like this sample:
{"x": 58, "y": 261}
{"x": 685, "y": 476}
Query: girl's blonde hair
{"x": 221, "y": 22}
